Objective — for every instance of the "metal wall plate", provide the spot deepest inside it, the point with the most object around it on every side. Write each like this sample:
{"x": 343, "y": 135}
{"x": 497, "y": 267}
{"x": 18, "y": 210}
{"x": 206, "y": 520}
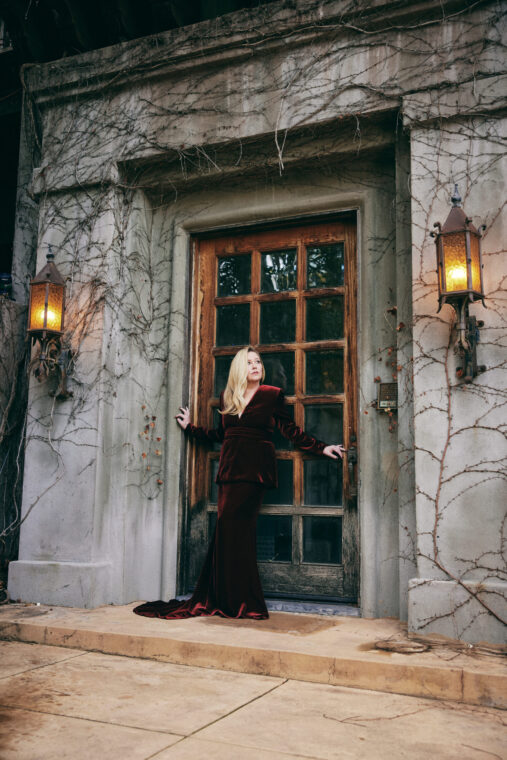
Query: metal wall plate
{"x": 387, "y": 396}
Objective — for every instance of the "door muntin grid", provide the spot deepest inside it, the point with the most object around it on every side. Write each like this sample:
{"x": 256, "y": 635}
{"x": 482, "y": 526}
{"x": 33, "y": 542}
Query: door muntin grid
{"x": 293, "y": 310}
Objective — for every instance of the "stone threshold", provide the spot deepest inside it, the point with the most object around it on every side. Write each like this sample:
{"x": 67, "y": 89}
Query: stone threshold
{"x": 335, "y": 650}
{"x": 312, "y": 608}
{"x": 275, "y": 604}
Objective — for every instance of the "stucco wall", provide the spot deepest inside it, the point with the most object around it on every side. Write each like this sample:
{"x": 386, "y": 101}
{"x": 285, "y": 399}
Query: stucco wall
{"x": 460, "y": 445}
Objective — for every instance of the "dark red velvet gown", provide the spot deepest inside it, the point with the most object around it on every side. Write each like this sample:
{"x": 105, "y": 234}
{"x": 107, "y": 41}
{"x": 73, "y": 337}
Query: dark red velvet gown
{"x": 229, "y": 583}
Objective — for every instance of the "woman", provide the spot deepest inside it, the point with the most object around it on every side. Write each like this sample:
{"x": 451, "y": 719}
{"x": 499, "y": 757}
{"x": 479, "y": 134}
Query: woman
{"x": 229, "y": 583}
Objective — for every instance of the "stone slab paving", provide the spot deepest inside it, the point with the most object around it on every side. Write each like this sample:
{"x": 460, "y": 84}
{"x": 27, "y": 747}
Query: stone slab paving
{"x": 109, "y": 707}
{"x": 18, "y": 658}
{"x": 27, "y": 735}
{"x": 331, "y": 722}
{"x": 335, "y": 650}
{"x": 155, "y": 696}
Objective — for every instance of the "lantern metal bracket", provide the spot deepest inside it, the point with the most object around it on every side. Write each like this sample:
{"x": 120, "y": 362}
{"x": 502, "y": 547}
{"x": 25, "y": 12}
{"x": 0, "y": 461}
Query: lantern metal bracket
{"x": 54, "y": 360}
{"x": 468, "y": 328}
{"x": 65, "y": 364}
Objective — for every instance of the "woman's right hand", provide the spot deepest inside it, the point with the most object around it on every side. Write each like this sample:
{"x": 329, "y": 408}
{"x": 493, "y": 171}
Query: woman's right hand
{"x": 183, "y": 418}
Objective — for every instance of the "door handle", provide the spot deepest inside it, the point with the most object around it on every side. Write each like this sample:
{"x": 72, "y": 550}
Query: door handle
{"x": 351, "y": 462}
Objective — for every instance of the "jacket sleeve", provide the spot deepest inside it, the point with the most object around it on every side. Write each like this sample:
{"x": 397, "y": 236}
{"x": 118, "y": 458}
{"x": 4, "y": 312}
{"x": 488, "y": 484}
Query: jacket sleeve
{"x": 207, "y": 435}
{"x": 290, "y": 430}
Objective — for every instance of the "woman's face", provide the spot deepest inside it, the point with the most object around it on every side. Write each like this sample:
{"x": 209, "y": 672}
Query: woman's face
{"x": 254, "y": 367}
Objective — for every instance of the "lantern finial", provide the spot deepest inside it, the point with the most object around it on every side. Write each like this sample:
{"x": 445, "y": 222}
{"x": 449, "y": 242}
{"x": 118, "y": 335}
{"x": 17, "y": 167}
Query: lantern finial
{"x": 456, "y": 197}
{"x": 50, "y": 256}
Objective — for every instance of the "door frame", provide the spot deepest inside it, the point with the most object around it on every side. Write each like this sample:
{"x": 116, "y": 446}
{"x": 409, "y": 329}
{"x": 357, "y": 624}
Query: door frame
{"x": 351, "y": 548}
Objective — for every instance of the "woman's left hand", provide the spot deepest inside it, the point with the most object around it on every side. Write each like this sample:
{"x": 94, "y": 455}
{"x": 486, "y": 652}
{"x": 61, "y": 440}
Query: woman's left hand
{"x": 334, "y": 449}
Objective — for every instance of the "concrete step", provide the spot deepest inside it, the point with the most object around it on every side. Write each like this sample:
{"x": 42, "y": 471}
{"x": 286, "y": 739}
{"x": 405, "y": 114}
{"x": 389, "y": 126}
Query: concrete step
{"x": 341, "y": 651}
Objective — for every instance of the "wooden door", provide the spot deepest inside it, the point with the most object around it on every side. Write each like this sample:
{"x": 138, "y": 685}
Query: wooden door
{"x": 291, "y": 293}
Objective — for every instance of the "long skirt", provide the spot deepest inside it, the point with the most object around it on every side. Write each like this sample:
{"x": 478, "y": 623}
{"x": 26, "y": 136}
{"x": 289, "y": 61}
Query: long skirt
{"x": 229, "y": 583}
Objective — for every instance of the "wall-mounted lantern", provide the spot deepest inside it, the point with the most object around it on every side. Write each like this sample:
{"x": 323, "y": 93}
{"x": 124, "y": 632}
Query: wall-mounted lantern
{"x": 47, "y": 302}
{"x": 459, "y": 268}
{"x": 46, "y": 322}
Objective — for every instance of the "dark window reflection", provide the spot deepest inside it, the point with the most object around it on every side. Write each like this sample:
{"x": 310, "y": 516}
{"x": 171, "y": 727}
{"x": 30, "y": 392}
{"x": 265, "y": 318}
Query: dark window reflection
{"x": 222, "y": 366}
{"x": 234, "y": 275}
{"x": 278, "y": 271}
{"x": 281, "y": 443}
{"x": 278, "y": 322}
{"x": 325, "y": 422}
{"x": 324, "y": 372}
{"x": 233, "y": 325}
{"x": 323, "y": 482}
{"x": 217, "y": 421}
{"x": 324, "y": 318}
{"x": 284, "y": 493}
{"x": 325, "y": 265}
{"x": 280, "y": 371}
{"x": 322, "y": 540}
{"x": 213, "y": 489}
{"x": 212, "y": 521}
{"x": 274, "y": 538}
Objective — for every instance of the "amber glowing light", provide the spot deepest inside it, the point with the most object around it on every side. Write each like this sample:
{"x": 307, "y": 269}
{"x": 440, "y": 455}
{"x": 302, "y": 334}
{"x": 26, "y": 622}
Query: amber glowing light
{"x": 457, "y": 278}
{"x": 47, "y": 301}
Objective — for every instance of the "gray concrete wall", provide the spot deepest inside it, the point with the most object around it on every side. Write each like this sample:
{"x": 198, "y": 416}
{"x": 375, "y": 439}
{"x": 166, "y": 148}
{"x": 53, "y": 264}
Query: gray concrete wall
{"x": 460, "y": 442}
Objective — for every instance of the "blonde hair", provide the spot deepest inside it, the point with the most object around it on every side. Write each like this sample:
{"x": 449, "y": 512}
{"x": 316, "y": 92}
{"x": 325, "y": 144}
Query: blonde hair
{"x": 234, "y": 402}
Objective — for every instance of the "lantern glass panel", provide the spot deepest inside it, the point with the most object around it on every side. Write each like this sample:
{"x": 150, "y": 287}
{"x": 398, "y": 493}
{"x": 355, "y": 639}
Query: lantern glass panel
{"x": 440, "y": 266}
{"x": 476, "y": 263}
{"x": 455, "y": 262}
{"x": 55, "y": 308}
{"x": 37, "y": 302}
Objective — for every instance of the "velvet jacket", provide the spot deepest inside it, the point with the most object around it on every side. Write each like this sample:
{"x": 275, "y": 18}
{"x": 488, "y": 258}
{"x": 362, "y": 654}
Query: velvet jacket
{"x": 248, "y": 453}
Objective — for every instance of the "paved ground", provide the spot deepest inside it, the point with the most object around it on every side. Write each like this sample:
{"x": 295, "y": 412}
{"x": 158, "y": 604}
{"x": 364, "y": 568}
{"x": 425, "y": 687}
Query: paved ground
{"x": 59, "y": 703}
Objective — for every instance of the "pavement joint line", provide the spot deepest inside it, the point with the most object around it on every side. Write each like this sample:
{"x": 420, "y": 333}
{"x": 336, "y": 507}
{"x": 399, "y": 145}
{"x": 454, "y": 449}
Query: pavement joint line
{"x": 227, "y": 714}
{"x": 277, "y": 752}
{"x": 45, "y": 665}
{"x": 484, "y": 751}
{"x": 163, "y": 749}
{"x": 92, "y": 720}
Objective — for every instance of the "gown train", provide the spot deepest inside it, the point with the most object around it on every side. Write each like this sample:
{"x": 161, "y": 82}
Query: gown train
{"x": 229, "y": 583}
